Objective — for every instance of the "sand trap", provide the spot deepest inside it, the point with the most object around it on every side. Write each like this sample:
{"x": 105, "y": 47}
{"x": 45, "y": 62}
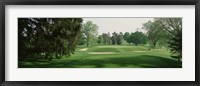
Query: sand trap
{"x": 83, "y": 49}
{"x": 101, "y": 53}
{"x": 139, "y": 51}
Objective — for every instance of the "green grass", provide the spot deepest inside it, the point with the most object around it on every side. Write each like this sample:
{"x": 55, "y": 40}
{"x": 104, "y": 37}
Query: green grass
{"x": 121, "y": 57}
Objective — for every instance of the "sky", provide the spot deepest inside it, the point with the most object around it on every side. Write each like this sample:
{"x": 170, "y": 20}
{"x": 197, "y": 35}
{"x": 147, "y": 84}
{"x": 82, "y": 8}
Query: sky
{"x": 118, "y": 24}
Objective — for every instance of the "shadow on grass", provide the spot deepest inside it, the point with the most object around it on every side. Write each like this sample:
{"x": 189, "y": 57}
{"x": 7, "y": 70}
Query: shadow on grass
{"x": 142, "y": 61}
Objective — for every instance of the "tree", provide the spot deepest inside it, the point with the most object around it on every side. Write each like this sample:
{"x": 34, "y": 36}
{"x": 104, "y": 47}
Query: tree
{"x": 144, "y": 39}
{"x": 126, "y": 37}
{"x": 109, "y": 38}
{"x": 100, "y": 39}
{"x": 154, "y": 32}
{"x": 90, "y": 31}
{"x": 137, "y": 38}
{"x": 120, "y": 38}
{"x": 175, "y": 45}
{"x": 106, "y": 38}
{"x": 47, "y": 36}
{"x": 173, "y": 26}
{"x": 114, "y": 38}
{"x": 81, "y": 39}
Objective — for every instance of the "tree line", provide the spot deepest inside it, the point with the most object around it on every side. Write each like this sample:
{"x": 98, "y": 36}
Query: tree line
{"x": 136, "y": 38}
{"x": 89, "y": 36}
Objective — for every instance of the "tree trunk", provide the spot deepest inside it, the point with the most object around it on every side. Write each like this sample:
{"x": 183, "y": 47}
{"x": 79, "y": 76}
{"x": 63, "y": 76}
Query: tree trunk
{"x": 87, "y": 43}
{"x": 154, "y": 44}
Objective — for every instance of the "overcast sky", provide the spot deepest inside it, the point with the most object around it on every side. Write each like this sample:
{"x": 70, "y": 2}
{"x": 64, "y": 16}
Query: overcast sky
{"x": 118, "y": 24}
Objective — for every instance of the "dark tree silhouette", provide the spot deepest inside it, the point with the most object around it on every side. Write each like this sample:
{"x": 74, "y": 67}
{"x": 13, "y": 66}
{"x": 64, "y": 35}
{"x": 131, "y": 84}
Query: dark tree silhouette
{"x": 47, "y": 36}
{"x": 138, "y": 38}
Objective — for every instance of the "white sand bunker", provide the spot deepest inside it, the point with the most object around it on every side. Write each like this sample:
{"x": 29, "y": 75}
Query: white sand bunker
{"x": 101, "y": 53}
{"x": 139, "y": 51}
{"x": 83, "y": 49}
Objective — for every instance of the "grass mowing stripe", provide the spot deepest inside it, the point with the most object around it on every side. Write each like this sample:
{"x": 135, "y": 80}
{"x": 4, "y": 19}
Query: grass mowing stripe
{"x": 124, "y": 57}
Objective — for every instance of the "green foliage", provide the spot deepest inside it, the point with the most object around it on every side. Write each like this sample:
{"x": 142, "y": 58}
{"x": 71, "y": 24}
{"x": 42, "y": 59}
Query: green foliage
{"x": 126, "y": 37}
{"x": 47, "y": 36}
{"x": 173, "y": 26}
{"x": 114, "y": 38}
{"x": 117, "y": 38}
{"x": 90, "y": 31}
{"x": 166, "y": 31}
{"x": 144, "y": 39}
{"x": 81, "y": 39}
{"x": 138, "y": 38}
{"x": 106, "y": 38}
{"x": 175, "y": 45}
{"x": 170, "y": 24}
{"x": 155, "y": 32}
{"x": 100, "y": 39}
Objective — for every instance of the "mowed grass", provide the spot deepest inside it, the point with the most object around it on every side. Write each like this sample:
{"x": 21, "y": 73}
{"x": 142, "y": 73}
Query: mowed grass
{"x": 110, "y": 56}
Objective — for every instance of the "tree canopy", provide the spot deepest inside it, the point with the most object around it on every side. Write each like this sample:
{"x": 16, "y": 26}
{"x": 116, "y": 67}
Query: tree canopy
{"x": 126, "y": 37}
{"x": 49, "y": 36}
{"x": 166, "y": 29}
{"x": 173, "y": 26}
{"x": 138, "y": 38}
{"x": 90, "y": 31}
{"x": 154, "y": 32}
